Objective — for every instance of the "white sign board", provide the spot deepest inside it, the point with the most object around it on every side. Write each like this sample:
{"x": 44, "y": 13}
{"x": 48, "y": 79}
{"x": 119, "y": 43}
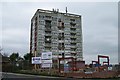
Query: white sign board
{"x": 61, "y": 62}
{"x": 46, "y": 61}
{"x": 36, "y": 60}
{"x": 46, "y": 65}
{"x": 46, "y": 55}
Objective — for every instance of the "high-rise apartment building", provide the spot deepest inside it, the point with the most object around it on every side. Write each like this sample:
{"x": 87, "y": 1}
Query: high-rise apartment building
{"x": 56, "y": 32}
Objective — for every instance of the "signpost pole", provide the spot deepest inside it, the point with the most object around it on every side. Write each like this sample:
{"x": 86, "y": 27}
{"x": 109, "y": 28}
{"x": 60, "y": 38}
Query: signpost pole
{"x": 49, "y": 68}
{"x": 35, "y": 56}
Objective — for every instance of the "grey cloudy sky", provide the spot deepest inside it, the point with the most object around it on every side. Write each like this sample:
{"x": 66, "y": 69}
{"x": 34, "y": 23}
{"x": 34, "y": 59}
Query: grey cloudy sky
{"x": 99, "y": 25}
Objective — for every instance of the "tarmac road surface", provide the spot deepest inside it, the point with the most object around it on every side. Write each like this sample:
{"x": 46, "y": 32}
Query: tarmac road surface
{"x": 16, "y": 76}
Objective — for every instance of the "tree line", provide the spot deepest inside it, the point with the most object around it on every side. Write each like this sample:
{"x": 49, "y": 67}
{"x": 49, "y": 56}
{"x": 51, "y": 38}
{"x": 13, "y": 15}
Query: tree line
{"x": 15, "y": 56}
{"x": 15, "y": 62}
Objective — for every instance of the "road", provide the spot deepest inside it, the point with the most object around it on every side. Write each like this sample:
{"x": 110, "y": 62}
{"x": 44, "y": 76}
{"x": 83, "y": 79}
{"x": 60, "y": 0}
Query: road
{"x": 16, "y": 76}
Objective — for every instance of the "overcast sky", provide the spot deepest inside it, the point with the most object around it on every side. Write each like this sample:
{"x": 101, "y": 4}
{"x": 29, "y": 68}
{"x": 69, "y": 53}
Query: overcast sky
{"x": 99, "y": 25}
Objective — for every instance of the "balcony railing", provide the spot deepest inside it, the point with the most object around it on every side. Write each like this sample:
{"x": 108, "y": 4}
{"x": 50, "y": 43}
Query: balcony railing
{"x": 60, "y": 28}
{"x": 61, "y": 47}
{"x": 73, "y": 41}
{"x": 60, "y": 36}
{"x": 48, "y": 18}
{"x": 47, "y": 41}
{"x": 61, "y": 41}
{"x": 73, "y": 36}
{"x": 73, "y": 23}
{"x": 47, "y": 29}
{"x": 73, "y": 51}
{"x": 73, "y": 27}
{"x": 47, "y": 50}
{"x": 73, "y": 46}
{"x": 48, "y": 26}
{"x": 73, "y": 31}
{"x": 48, "y": 34}
{"x": 48, "y": 44}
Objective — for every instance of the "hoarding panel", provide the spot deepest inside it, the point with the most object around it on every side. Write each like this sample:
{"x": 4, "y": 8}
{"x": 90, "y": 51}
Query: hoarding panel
{"x": 46, "y": 65}
{"x": 46, "y": 61}
{"x": 36, "y": 60}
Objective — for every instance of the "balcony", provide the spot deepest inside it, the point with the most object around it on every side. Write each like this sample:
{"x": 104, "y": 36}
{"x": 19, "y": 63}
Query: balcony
{"x": 73, "y": 36}
{"x": 73, "y": 27}
{"x": 48, "y": 34}
{"x": 47, "y": 29}
{"x": 47, "y": 40}
{"x": 61, "y": 47}
{"x": 61, "y": 28}
{"x": 73, "y": 23}
{"x": 61, "y": 51}
{"x": 48, "y": 18}
{"x": 73, "y": 46}
{"x": 73, "y": 51}
{"x": 48, "y": 25}
{"x": 61, "y": 41}
{"x": 60, "y": 36}
{"x": 47, "y": 50}
{"x": 47, "y": 44}
{"x": 73, "y": 31}
{"x": 73, "y": 41}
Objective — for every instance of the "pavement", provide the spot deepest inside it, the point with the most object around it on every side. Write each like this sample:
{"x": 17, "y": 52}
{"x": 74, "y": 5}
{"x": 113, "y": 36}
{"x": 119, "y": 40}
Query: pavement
{"x": 16, "y": 76}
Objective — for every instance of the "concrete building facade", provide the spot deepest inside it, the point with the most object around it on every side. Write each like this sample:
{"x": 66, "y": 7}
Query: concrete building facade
{"x": 56, "y": 32}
